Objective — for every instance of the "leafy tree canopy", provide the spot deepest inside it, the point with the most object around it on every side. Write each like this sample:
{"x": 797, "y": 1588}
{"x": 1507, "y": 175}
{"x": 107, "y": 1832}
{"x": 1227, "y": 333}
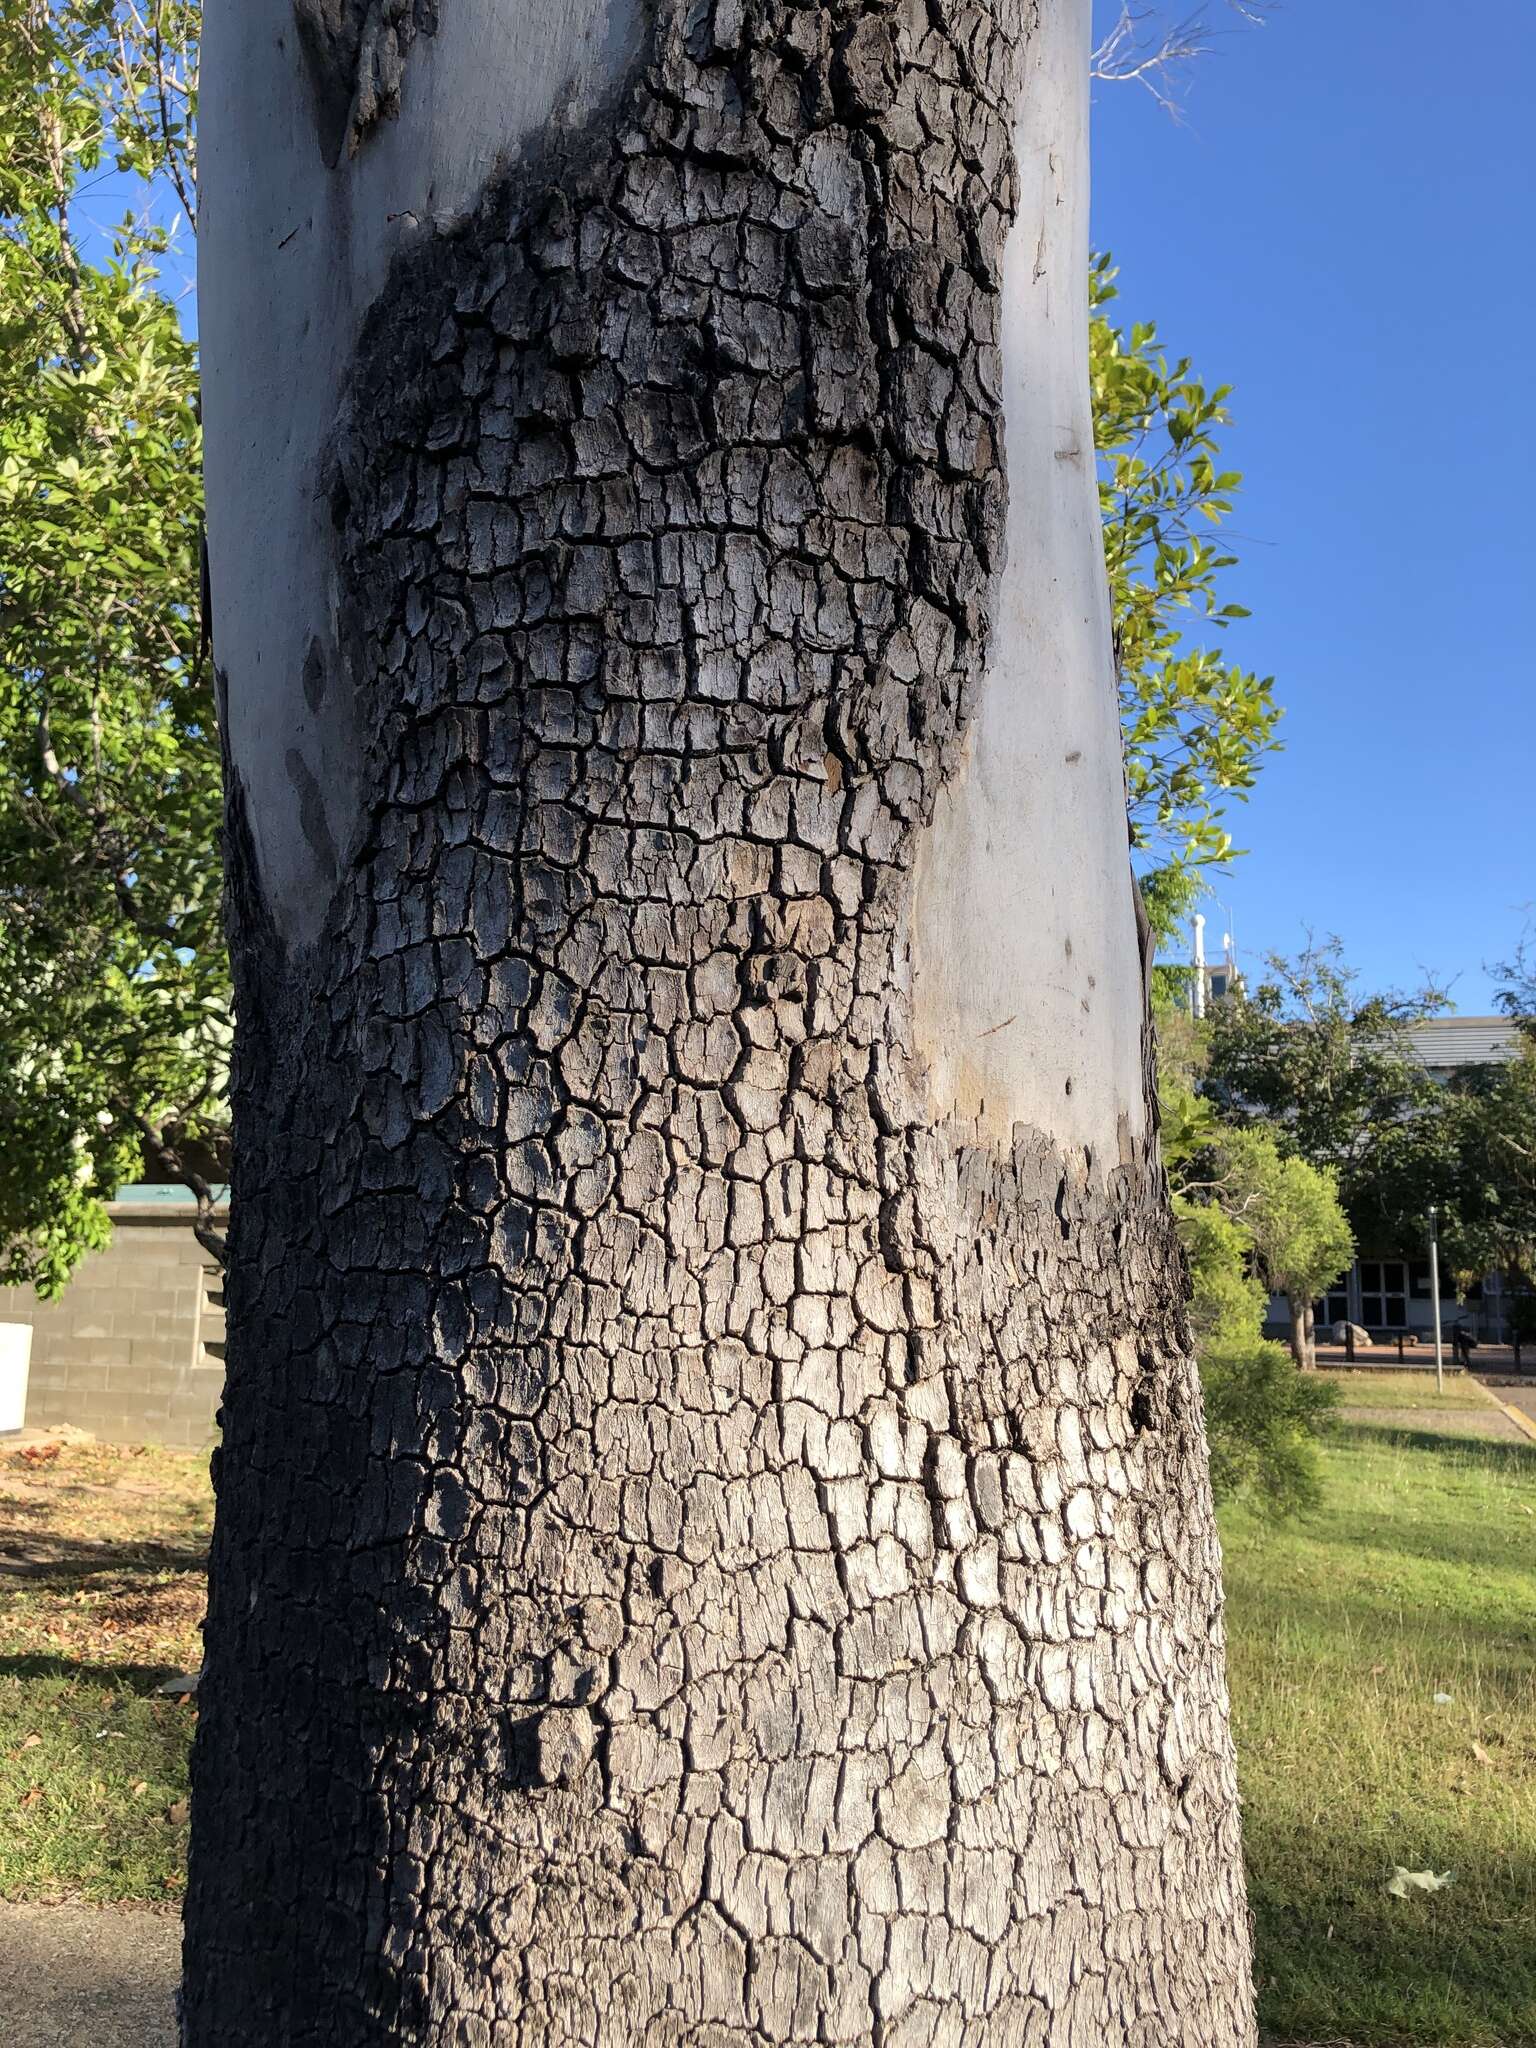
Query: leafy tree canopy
{"x": 113, "y": 985}
{"x": 1228, "y": 1298}
{"x": 1517, "y": 998}
{"x": 1486, "y": 1189}
{"x": 1196, "y": 725}
{"x": 1334, "y": 1075}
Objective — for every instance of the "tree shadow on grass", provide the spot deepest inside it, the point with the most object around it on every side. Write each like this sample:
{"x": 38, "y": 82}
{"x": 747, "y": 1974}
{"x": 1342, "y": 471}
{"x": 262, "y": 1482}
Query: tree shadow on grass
{"x": 44, "y": 1562}
{"x": 1367, "y": 1583}
{"x": 1448, "y": 1531}
{"x": 145, "y": 1679}
{"x": 1509, "y": 1460}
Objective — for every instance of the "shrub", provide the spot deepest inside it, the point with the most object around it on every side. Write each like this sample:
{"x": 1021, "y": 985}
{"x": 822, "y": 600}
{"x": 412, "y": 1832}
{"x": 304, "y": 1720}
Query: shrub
{"x": 1228, "y": 1303}
{"x": 1263, "y": 1419}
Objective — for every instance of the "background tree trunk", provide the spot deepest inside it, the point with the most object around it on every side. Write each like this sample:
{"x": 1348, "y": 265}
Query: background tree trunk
{"x": 713, "y": 1537}
{"x": 1303, "y": 1334}
{"x": 1298, "y": 1319}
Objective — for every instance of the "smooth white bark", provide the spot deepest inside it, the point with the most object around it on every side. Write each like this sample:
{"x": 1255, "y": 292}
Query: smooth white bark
{"x": 1025, "y": 965}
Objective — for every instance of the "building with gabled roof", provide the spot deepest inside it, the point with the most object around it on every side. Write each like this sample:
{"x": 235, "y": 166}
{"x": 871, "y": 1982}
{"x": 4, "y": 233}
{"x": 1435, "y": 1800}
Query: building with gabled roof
{"x": 1445, "y": 1044}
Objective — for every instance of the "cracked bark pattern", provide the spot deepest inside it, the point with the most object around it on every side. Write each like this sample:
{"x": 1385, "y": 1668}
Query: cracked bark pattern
{"x": 705, "y": 1553}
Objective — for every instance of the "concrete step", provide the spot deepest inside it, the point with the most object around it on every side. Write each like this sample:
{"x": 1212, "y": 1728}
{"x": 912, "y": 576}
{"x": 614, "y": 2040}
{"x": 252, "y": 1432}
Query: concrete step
{"x": 210, "y": 1324}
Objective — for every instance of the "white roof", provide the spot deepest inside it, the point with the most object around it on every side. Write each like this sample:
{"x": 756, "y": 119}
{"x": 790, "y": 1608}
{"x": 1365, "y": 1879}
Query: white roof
{"x": 1465, "y": 1041}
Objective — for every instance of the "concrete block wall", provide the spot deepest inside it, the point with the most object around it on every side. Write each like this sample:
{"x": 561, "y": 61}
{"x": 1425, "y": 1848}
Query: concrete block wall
{"x": 133, "y": 1349}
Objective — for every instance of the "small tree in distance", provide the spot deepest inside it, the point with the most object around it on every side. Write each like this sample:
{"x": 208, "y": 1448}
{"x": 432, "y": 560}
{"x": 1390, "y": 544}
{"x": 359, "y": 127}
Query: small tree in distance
{"x": 1291, "y": 1209}
{"x": 1263, "y": 1417}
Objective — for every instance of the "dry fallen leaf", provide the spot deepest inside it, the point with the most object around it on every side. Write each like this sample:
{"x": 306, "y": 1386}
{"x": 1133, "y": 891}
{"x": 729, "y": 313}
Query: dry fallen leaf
{"x": 1402, "y": 1882}
{"x": 31, "y": 1742}
{"x": 177, "y": 1814}
{"x": 1481, "y": 1754}
{"x": 138, "y": 1787}
{"x": 32, "y": 1797}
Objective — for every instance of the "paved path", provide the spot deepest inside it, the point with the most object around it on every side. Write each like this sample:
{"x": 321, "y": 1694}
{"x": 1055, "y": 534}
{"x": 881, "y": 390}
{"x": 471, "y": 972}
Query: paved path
{"x": 1523, "y": 1398}
{"x": 1483, "y": 1422}
{"x": 88, "y": 1977}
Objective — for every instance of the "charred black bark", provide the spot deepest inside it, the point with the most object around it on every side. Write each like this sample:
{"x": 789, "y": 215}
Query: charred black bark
{"x": 355, "y": 50}
{"x": 704, "y": 1553}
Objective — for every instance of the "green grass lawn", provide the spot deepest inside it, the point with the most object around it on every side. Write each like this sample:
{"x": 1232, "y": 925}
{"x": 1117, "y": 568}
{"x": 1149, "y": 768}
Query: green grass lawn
{"x": 101, "y": 1594}
{"x": 1413, "y": 1391}
{"x": 1417, "y": 1577}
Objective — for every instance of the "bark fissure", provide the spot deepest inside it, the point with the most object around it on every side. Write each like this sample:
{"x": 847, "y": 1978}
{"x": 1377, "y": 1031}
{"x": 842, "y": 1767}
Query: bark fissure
{"x": 693, "y": 1562}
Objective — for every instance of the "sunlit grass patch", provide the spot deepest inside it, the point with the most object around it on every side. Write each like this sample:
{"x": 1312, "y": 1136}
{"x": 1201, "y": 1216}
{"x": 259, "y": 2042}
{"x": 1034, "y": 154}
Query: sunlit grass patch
{"x": 1417, "y": 1578}
{"x": 102, "y": 1589}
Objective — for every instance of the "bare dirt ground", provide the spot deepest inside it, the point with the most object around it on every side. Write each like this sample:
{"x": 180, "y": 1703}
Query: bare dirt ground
{"x": 88, "y": 1977}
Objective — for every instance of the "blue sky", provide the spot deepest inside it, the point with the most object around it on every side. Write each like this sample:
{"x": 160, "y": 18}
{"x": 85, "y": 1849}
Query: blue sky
{"x": 1341, "y": 228}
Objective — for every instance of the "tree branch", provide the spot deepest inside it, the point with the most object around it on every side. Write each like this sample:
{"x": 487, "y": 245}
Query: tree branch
{"x": 173, "y": 163}
{"x": 1132, "y": 53}
{"x": 168, "y": 1157}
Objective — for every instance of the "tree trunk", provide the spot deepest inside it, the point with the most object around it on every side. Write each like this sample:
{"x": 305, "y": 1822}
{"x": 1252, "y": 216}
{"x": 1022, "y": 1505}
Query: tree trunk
{"x": 1303, "y": 1338}
{"x": 713, "y": 1539}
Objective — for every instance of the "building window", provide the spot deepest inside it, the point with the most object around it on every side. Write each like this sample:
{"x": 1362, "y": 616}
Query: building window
{"x": 1333, "y": 1307}
{"x": 1418, "y": 1280}
{"x": 1384, "y": 1293}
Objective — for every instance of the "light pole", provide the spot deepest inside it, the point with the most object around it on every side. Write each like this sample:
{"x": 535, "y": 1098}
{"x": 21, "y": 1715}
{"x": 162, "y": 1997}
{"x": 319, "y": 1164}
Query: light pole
{"x": 1199, "y": 988}
{"x": 1434, "y": 1290}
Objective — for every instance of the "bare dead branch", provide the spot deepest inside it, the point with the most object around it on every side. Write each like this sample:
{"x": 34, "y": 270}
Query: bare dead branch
{"x": 1138, "y": 51}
